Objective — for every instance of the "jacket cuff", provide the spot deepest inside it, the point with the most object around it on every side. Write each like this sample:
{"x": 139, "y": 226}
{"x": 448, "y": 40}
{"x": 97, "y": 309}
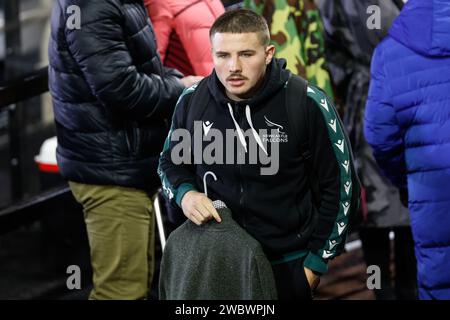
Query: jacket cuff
{"x": 182, "y": 189}
{"x": 316, "y": 263}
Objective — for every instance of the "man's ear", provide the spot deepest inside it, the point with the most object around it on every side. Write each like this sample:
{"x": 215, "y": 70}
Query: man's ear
{"x": 270, "y": 51}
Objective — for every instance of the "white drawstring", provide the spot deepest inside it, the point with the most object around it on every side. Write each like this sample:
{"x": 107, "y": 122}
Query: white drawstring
{"x": 238, "y": 129}
{"x": 240, "y": 132}
{"x": 255, "y": 134}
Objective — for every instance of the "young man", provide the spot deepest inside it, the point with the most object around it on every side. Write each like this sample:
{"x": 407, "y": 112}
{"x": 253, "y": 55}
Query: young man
{"x": 246, "y": 95}
{"x": 111, "y": 96}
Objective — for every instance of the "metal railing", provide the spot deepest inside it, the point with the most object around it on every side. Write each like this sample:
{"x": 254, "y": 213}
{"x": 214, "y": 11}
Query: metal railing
{"x": 23, "y": 88}
{"x": 29, "y": 210}
{"x": 24, "y": 211}
{"x": 12, "y": 93}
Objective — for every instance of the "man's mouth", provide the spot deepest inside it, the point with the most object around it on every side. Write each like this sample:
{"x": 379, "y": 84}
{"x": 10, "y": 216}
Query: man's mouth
{"x": 236, "y": 82}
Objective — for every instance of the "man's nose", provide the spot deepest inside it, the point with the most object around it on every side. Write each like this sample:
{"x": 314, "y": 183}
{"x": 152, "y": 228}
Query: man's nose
{"x": 235, "y": 65}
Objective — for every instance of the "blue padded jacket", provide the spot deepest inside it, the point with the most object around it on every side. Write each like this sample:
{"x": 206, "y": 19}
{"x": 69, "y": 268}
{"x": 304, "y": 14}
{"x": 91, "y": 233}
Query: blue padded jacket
{"x": 407, "y": 123}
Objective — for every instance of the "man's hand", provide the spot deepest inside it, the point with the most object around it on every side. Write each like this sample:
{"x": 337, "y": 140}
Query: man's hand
{"x": 198, "y": 208}
{"x": 312, "y": 278}
{"x": 190, "y": 80}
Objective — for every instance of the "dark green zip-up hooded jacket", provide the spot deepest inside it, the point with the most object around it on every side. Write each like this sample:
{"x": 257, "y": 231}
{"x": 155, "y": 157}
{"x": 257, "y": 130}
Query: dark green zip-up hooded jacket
{"x": 276, "y": 209}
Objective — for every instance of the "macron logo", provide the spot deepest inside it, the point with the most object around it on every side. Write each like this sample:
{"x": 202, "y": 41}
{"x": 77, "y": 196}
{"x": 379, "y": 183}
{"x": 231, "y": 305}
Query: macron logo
{"x": 206, "y": 126}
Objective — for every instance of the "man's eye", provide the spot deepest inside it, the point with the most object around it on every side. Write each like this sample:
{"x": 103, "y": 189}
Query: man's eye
{"x": 246, "y": 55}
{"x": 221, "y": 56}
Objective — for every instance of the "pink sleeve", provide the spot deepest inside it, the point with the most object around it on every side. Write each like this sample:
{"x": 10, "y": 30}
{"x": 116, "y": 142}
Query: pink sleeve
{"x": 194, "y": 34}
{"x": 162, "y": 21}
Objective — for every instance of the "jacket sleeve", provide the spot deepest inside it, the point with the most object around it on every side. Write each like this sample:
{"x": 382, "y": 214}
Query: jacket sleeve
{"x": 381, "y": 128}
{"x": 313, "y": 49}
{"x": 194, "y": 34}
{"x": 331, "y": 168}
{"x": 162, "y": 20}
{"x": 100, "y": 51}
{"x": 177, "y": 178}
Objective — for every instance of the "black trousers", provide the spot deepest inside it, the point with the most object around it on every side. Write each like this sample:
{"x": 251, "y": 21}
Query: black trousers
{"x": 377, "y": 251}
{"x": 291, "y": 281}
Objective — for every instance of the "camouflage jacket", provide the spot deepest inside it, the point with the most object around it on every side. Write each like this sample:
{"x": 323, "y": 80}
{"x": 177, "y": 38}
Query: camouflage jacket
{"x": 297, "y": 33}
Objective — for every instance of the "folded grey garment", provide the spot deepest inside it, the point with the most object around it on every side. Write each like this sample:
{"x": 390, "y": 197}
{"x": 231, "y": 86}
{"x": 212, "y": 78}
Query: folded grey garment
{"x": 233, "y": 264}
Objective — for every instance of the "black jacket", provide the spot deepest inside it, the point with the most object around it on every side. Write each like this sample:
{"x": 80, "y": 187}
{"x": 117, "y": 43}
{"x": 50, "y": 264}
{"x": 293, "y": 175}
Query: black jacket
{"x": 275, "y": 209}
{"x": 352, "y": 45}
{"x": 111, "y": 94}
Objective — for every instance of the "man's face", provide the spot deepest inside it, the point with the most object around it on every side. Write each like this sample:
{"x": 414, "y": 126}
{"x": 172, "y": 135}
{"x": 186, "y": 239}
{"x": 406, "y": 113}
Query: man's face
{"x": 240, "y": 61}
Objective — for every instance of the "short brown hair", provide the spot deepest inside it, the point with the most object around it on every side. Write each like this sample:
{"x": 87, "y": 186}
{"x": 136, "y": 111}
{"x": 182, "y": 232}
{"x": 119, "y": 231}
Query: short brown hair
{"x": 241, "y": 21}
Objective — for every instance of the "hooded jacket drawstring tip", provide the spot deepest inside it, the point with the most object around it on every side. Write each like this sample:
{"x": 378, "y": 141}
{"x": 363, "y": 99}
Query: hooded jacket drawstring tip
{"x": 240, "y": 131}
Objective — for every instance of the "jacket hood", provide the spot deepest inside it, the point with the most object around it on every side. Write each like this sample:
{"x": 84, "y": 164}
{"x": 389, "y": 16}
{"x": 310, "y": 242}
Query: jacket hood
{"x": 424, "y": 26}
{"x": 275, "y": 78}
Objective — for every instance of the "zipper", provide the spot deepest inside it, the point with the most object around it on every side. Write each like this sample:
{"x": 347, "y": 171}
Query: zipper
{"x": 127, "y": 137}
{"x": 133, "y": 138}
{"x": 241, "y": 186}
{"x": 241, "y": 197}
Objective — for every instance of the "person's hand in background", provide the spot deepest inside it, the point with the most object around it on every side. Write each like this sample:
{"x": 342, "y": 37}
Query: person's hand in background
{"x": 190, "y": 80}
